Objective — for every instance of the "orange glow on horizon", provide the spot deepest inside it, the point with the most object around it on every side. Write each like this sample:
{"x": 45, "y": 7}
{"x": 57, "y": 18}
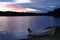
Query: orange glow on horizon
{"x": 16, "y": 9}
{"x": 11, "y": 8}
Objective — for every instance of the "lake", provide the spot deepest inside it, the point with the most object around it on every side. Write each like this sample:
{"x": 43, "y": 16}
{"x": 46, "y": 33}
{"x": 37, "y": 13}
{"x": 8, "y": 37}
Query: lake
{"x": 16, "y": 26}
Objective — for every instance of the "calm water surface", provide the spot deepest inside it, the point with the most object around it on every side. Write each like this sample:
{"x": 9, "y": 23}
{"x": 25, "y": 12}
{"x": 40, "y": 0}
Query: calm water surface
{"x": 16, "y": 27}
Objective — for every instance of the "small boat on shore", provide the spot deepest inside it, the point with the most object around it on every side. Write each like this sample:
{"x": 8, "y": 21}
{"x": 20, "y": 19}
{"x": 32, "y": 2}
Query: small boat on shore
{"x": 45, "y": 32}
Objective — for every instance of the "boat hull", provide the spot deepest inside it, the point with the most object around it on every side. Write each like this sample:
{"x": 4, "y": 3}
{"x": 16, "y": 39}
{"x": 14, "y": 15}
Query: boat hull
{"x": 48, "y": 32}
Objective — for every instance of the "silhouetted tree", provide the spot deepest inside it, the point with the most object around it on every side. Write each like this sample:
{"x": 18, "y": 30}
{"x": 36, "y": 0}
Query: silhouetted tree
{"x": 55, "y": 12}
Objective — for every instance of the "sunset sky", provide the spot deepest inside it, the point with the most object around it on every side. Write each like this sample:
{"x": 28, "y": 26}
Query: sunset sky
{"x": 29, "y": 5}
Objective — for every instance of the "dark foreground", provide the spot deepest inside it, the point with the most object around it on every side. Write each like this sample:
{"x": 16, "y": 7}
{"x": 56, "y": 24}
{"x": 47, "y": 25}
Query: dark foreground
{"x": 43, "y": 38}
{"x": 55, "y": 37}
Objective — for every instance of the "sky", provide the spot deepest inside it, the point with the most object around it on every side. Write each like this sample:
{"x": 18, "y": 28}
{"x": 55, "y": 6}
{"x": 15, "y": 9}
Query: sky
{"x": 29, "y": 5}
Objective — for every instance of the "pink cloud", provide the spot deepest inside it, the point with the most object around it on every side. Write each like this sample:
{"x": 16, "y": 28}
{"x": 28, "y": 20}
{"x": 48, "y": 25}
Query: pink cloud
{"x": 11, "y": 8}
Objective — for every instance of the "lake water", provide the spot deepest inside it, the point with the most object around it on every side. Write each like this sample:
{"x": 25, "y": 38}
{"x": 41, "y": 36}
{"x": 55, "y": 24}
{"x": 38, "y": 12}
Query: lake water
{"x": 16, "y": 26}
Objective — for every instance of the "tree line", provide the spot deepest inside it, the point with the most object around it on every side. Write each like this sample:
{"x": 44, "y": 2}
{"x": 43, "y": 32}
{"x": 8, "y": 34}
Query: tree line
{"x": 55, "y": 12}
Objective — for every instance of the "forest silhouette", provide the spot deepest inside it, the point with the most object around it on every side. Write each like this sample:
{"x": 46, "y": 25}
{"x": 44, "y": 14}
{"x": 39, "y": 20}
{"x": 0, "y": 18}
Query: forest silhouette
{"x": 55, "y": 12}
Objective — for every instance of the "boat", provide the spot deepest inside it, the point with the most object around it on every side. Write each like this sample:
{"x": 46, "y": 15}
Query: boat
{"x": 45, "y": 32}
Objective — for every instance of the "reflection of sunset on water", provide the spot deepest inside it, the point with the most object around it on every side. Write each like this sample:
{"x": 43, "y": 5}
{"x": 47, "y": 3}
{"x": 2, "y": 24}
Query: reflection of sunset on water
{"x": 18, "y": 25}
{"x": 3, "y": 23}
{"x": 15, "y": 25}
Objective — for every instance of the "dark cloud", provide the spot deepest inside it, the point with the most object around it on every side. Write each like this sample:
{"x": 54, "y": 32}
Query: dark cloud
{"x": 44, "y": 5}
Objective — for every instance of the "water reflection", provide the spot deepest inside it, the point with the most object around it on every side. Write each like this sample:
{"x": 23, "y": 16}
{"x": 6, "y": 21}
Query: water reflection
{"x": 16, "y": 27}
